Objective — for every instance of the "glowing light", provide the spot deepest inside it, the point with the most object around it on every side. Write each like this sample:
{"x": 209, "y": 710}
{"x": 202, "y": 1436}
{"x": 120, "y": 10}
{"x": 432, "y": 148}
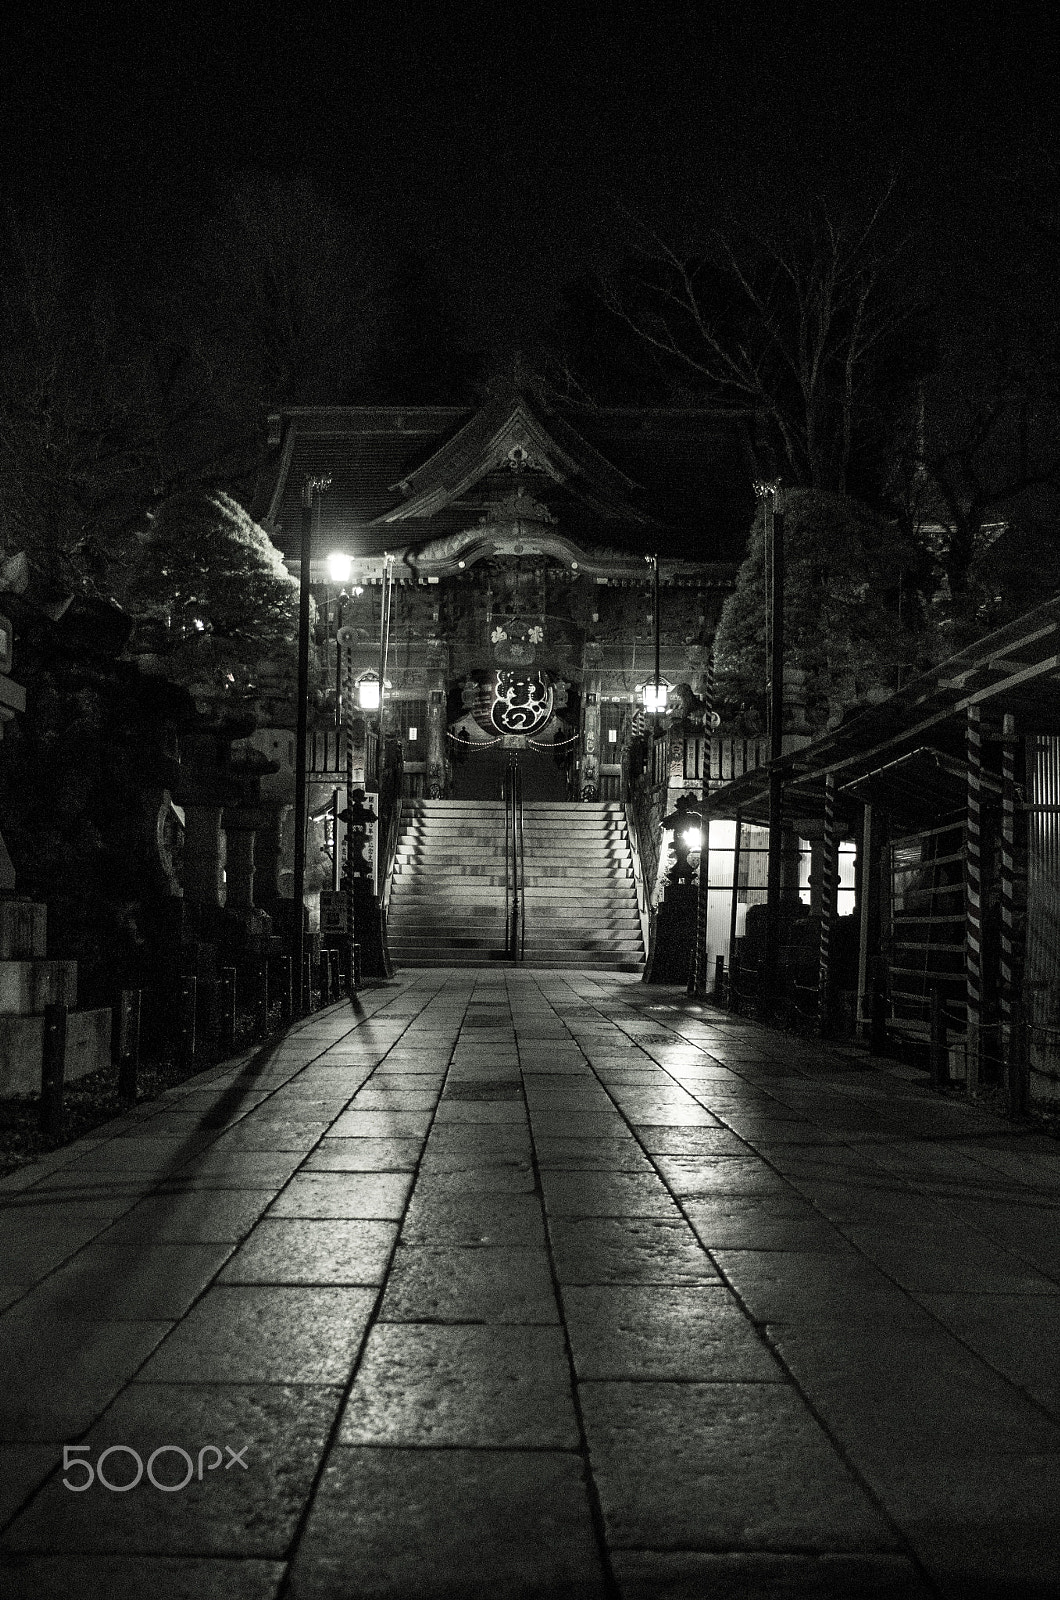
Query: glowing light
{"x": 693, "y": 837}
{"x": 339, "y": 566}
{"x": 368, "y": 694}
{"x": 654, "y": 697}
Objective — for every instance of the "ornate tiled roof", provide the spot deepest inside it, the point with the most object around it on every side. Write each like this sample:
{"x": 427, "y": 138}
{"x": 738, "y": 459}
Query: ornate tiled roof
{"x": 404, "y": 478}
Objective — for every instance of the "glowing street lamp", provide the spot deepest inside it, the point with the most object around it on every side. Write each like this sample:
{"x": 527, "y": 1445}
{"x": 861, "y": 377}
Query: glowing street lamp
{"x": 369, "y": 692}
{"x": 340, "y": 565}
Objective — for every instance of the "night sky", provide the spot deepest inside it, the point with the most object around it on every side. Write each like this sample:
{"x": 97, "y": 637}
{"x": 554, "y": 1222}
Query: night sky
{"x": 510, "y": 142}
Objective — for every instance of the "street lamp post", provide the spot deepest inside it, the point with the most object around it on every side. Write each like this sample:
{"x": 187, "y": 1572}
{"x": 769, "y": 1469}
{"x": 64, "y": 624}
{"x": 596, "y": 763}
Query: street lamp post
{"x": 339, "y": 570}
{"x": 312, "y": 489}
{"x": 769, "y": 494}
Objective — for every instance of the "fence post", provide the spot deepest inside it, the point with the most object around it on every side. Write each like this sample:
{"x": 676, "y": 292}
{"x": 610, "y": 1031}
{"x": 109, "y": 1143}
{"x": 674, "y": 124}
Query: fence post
{"x": 208, "y": 998}
{"x": 186, "y": 1024}
{"x": 324, "y": 978}
{"x": 128, "y": 1043}
{"x": 940, "y": 1065}
{"x": 306, "y": 1003}
{"x": 878, "y": 1010}
{"x": 734, "y": 984}
{"x": 286, "y": 990}
{"x": 228, "y": 1008}
{"x": 719, "y": 980}
{"x": 336, "y": 987}
{"x": 1017, "y": 1063}
{"x": 53, "y": 1071}
{"x": 261, "y": 1002}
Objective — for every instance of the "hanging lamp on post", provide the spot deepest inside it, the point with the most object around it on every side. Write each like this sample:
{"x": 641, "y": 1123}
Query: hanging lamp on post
{"x": 655, "y": 695}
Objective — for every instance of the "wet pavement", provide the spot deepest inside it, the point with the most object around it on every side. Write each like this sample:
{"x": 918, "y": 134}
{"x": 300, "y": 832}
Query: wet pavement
{"x": 535, "y": 1284}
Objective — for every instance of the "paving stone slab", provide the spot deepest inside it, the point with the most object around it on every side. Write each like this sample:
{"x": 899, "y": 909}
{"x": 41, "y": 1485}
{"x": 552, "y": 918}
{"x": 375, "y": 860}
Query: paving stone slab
{"x": 921, "y": 1396}
{"x": 498, "y": 1386}
{"x": 606, "y": 1194}
{"x": 477, "y": 1219}
{"x": 707, "y": 1174}
{"x": 811, "y": 1288}
{"x": 589, "y": 1155}
{"x": 648, "y": 1331}
{"x": 434, "y": 1182}
{"x": 364, "y": 1155}
{"x": 189, "y": 1216}
{"x": 761, "y": 1222}
{"x": 313, "y": 1251}
{"x": 722, "y": 1466}
{"x": 59, "y": 1376}
{"x": 354, "y": 1124}
{"x": 493, "y": 1285}
{"x": 597, "y": 1250}
{"x": 132, "y": 1577}
{"x": 108, "y": 1282}
{"x": 691, "y": 1575}
{"x": 949, "y": 1259}
{"x": 380, "y": 1195}
{"x": 436, "y": 1524}
{"x": 231, "y": 1511}
{"x": 983, "y": 1525}
{"x": 23, "y": 1468}
{"x": 239, "y": 1169}
{"x": 265, "y": 1335}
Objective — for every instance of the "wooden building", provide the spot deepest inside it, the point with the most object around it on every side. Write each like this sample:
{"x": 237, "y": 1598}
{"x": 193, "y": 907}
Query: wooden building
{"x": 516, "y": 538}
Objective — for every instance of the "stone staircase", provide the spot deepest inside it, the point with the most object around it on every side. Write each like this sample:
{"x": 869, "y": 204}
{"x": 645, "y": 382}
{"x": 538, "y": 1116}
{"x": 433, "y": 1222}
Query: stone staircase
{"x": 447, "y": 902}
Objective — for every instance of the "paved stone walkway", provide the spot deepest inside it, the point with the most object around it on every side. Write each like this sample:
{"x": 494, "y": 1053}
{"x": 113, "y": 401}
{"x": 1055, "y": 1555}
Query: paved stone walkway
{"x": 537, "y": 1285}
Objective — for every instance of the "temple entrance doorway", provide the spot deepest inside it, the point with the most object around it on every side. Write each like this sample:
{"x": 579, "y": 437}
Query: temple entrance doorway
{"x": 479, "y": 774}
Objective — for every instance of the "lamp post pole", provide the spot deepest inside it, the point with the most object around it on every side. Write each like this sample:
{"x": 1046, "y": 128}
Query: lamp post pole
{"x": 768, "y": 493}
{"x": 345, "y": 647}
{"x": 311, "y": 492}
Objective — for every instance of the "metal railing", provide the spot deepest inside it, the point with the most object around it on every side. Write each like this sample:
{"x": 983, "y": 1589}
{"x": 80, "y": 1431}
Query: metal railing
{"x": 514, "y": 864}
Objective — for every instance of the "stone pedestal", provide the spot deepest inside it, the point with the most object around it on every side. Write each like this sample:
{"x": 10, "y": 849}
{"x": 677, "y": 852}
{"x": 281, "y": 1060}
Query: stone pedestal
{"x": 674, "y": 936}
{"x": 239, "y": 868}
{"x": 203, "y": 856}
{"x": 28, "y": 983}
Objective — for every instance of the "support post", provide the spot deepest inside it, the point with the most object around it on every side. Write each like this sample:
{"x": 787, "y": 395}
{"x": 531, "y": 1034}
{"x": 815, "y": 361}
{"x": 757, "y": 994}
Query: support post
{"x": 870, "y": 930}
{"x": 305, "y": 557}
{"x": 286, "y": 989}
{"x": 733, "y": 906}
{"x": 697, "y": 967}
{"x": 774, "y": 880}
{"x": 53, "y": 1071}
{"x": 973, "y": 895}
{"x": 828, "y": 894}
{"x": 939, "y": 1056}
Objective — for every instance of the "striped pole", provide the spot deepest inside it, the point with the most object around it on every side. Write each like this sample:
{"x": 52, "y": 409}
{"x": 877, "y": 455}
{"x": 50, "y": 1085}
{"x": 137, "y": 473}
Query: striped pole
{"x": 973, "y": 895}
{"x": 829, "y": 901}
{"x": 1008, "y": 881}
